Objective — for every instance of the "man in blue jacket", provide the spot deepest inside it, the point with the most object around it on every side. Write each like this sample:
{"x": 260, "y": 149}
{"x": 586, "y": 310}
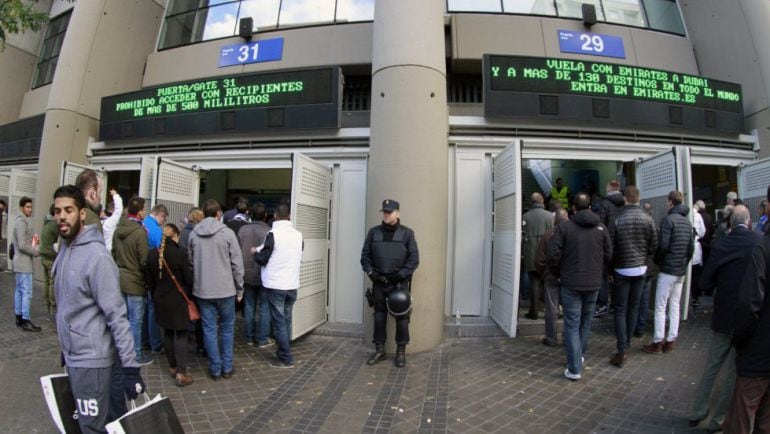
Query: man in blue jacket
{"x": 91, "y": 321}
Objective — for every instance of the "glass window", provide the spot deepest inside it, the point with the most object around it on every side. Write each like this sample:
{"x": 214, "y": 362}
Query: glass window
{"x": 264, "y": 13}
{"x": 179, "y": 6}
{"x": 49, "y": 52}
{"x": 355, "y": 10}
{"x": 627, "y": 12}
{"x": 296, "y": 12}
{"x": 474, "y": 6}
{"x": 574, "y": 8}
{"x": 220, "y": 21}
{"x": 664, "y": 15}
{"x": 534, "y": 7}
{"x": 178, "y": 30}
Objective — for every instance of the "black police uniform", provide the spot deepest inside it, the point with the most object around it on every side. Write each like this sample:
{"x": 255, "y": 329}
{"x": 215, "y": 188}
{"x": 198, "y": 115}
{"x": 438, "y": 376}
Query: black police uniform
{"x": 389, "y": 257}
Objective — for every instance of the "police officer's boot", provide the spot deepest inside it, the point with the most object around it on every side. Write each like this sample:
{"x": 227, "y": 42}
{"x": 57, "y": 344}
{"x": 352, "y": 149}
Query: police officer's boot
{"x": 378, "y": 356}
{"x": 400, "y": 356}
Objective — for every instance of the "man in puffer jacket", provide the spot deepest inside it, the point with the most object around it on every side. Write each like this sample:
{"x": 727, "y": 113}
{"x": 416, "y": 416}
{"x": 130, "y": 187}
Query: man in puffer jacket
{"x": 634, "y": 239}
{"x": 218, "y": 280}
{"x": 676, "y": 245}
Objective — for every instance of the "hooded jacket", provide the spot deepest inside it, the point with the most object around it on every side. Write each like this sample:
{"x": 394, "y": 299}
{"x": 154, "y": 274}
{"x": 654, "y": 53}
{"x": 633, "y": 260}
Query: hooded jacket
{"x": 579, "y": 251}
{"x": 91, "y": 320}
{"x": 216, "y": 259}
{"x": 612, "y": 205}
{"x": 676, "y": 243}
{"x": 129, "y": 248}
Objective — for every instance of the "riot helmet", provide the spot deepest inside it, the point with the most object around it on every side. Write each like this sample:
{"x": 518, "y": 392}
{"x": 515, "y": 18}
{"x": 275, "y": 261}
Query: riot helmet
{"x": 399, "y": 302}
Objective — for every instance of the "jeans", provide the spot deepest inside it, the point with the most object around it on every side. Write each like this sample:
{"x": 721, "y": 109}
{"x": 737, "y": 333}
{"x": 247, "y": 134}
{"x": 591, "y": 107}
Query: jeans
{"x": 218, "y": 313}
{"x": 252, "y": 295}
{"x": 604, "y": 292}
{"x": 135, "y": 306}
{"x": 668, "y": 292}
{"x": 721, "y": 351}
{"x": 535, "y": 291}
{"x": 644, "y": 305}
{"x": 551, "y": 289}
{"x": 23, "y": 294}
{"x": 578, "y": 311}
{"x": 153, "y": 329}
{"x": 625, "y": 300}
{"x": 281, "y": 303}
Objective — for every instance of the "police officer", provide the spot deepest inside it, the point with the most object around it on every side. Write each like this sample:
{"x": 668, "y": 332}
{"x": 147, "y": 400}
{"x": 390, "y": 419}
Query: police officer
{"x": 389, "y": 258}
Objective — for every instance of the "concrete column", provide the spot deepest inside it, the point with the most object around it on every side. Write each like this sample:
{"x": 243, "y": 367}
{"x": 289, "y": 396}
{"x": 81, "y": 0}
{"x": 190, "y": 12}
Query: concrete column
{"x": 103, "y": 53}
{"x": 408, "y": 157}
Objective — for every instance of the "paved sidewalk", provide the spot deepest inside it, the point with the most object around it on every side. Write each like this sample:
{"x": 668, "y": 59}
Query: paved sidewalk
{"x": 466, "y": 385}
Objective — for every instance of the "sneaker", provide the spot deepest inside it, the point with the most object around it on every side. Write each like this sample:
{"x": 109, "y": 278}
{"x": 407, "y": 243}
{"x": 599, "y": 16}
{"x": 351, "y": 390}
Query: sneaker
{"x": 281, "y": 365}
{"x": 267, "y": 344}
{"x": 571, "y": 376}
{"x": 601, "y": 310}
{"x": 144, "y": 360}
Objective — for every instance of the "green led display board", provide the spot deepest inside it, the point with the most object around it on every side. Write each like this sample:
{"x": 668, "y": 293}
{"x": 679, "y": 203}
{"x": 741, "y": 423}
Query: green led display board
{"x": 597, "y": 79}
{"x": 288, "y": 88}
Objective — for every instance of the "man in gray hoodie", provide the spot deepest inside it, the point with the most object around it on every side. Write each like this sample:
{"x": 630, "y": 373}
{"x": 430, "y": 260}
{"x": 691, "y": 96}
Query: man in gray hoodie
{"x": 218, "y": 280}
{"x": 91, "y": 322}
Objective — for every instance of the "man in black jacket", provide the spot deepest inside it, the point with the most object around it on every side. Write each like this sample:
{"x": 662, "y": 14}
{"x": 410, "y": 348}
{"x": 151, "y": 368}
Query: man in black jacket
{"x": 389, "y": 257}
{"x": 578, "y": 254}
{"x": 750, "y": 407}
{"x": 634, "y": 239}
{"x": 675, "y": 248}
{"x": 724, "y": 271}
{"x": 611, "y": 206}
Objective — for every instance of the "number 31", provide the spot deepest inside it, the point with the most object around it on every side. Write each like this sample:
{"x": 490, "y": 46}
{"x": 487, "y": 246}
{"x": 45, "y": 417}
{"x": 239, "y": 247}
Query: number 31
{"x": 244, "y": 52}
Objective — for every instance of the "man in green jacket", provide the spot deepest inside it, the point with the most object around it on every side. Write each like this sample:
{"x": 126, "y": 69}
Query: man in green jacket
{"x": 48, "y": 237}
{"x": 130, "y": 249}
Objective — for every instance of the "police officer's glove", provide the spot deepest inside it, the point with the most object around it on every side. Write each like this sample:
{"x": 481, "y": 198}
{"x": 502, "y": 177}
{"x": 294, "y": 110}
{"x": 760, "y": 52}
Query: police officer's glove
{"x": 374, "y": 276}
{"x": 133, "y": 382}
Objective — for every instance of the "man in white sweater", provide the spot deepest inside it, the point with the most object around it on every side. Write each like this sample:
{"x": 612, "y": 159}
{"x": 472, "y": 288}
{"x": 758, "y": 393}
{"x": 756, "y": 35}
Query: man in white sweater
{"x": 280, "y": 258}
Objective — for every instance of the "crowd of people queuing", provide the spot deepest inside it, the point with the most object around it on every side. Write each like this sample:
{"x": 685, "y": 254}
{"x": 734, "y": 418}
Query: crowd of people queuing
{"x": 603, "y": 255}
{"x": 123, "y": 282}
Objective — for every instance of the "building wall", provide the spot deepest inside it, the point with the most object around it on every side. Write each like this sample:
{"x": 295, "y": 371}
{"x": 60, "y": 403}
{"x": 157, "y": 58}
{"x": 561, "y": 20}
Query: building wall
{"x": 349, "y": 44}
{"x": 474, "y": 35}
{"x": 741, "y": 55}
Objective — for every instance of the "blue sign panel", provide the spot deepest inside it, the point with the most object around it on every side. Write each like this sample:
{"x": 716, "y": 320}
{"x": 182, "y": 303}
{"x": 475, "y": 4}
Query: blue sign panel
{"x": 266, "y": 50}
{"x": 592, "y": 44}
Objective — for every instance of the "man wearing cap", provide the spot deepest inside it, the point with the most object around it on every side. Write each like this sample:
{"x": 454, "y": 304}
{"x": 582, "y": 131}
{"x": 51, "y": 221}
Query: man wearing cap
{"x": 389, "y": 257}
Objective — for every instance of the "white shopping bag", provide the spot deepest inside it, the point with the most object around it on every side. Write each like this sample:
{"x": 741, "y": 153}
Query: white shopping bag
{"x": 61, "y": 403}
{"x": 156, "y": 415}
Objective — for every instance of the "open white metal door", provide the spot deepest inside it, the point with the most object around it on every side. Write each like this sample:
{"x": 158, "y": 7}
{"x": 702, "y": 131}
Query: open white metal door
{"x": 22, "y": 183}
{"x": 506, "y": 240}
{"x": 147, "y": 171}
{"x": 310, "y": 200}
{"x": 753, "y": 179}
{"x": 176, "y": 186}
{"x": 658, "y": 175}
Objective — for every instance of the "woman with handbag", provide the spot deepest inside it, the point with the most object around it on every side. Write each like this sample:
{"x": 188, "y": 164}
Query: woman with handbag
{"x": 170, "y": 278}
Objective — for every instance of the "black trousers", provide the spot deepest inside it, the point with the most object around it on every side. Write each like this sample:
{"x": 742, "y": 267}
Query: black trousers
{"x": 175, "y": 342}
{"x": 381, "y": 317}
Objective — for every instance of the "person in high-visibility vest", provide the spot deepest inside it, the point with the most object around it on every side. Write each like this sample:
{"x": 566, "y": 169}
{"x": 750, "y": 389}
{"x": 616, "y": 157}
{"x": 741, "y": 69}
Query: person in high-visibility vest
{"x": 560, "y": 193}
